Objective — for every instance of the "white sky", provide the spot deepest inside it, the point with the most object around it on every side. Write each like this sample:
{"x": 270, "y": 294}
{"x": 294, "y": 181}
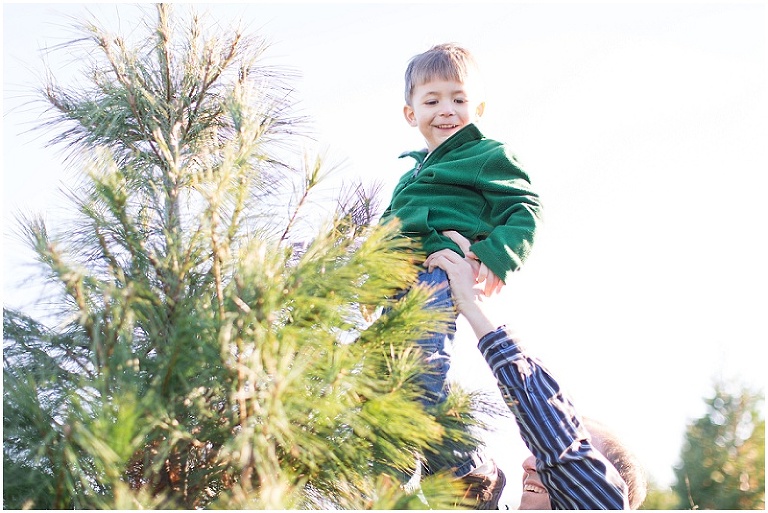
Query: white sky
{"x": 643, "y": 126}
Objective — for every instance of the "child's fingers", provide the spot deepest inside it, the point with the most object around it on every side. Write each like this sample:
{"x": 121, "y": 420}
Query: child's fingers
{"x": 492, "y": 286}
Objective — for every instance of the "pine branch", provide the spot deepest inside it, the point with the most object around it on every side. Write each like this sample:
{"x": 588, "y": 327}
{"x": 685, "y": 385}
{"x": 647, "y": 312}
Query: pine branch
{"x": 202, "y": 362}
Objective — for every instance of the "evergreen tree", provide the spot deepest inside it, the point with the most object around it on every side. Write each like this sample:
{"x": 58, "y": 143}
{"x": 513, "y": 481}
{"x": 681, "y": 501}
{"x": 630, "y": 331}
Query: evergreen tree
{"x": 191, "y": 358}
{"x": 723, "y": 458}
{"x": 659, "y": 498}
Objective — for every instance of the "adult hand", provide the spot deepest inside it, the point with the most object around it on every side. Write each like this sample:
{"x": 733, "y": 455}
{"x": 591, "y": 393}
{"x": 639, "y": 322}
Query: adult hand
{"x": 493, "y": 284}
{"x": 467, "y": 297}
{"x": 460, "y": 241}
{"x": 460, "y": 275}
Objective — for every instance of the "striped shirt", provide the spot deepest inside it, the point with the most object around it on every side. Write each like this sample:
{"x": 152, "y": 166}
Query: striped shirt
{"x": 576, "y": 475}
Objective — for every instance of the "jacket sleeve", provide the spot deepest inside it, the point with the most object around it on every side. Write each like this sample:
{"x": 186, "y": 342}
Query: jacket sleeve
{"x": 576, "y": 475}
{"x": 515, "y": 210}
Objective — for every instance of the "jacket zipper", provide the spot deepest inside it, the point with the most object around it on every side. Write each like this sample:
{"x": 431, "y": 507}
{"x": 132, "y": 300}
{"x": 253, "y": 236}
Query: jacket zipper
{"x": 421, "y": 165}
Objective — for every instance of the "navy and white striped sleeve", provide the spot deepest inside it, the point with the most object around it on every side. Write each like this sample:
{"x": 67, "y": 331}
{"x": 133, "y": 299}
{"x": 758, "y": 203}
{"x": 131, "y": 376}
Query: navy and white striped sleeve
{"x": 576, "y": 475}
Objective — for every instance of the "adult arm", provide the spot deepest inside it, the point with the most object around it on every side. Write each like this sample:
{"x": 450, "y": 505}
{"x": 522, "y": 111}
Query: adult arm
{"x": 576, "y": 475}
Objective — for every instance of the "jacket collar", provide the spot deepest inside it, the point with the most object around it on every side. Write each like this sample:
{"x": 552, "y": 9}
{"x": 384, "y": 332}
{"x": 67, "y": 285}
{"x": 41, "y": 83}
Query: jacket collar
{"x": 466, "y": 134}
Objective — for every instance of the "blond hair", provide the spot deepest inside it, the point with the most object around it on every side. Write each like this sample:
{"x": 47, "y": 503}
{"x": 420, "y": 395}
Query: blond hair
{"x": 447, "y": 61}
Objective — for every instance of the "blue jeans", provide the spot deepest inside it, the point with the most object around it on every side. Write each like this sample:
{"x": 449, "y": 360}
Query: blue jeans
{"x": 437, "y": 346}
{"x": 437, "y": 349}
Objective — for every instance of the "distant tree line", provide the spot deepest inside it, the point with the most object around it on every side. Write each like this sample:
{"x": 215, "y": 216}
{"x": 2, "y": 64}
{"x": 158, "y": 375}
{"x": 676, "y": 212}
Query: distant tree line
{"x": 722, "y": 461}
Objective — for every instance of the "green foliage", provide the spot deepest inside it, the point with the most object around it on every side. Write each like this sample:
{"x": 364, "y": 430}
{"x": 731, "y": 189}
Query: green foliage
{"x": 723, "y": 459}
{"x": 192, "y": 358}
{"x": 659, "y": 498}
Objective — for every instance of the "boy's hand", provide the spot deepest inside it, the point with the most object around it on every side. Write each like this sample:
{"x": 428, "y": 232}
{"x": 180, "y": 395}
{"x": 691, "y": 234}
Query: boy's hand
{"x": 493, "y": 283}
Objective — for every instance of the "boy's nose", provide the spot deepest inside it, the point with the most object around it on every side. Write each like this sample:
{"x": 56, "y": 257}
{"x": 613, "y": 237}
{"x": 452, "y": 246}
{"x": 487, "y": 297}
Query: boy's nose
{"x": 447, "y": 109}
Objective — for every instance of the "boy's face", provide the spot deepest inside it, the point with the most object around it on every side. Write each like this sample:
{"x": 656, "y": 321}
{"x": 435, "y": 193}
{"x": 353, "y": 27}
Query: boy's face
{"x": 439, "y": 108}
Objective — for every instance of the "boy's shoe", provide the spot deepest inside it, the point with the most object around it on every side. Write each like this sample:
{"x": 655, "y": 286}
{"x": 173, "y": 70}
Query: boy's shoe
{"x": 485, "y": 487}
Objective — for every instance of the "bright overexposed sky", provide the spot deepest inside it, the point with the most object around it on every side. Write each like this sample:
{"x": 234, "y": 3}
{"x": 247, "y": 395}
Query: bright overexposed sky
{"x": 644, "y": 127}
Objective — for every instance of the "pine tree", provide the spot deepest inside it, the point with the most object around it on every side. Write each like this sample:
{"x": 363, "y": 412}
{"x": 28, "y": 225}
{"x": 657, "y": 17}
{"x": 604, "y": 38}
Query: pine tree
{"x": 191, "y": 357}
{"x": 723, "y": 458}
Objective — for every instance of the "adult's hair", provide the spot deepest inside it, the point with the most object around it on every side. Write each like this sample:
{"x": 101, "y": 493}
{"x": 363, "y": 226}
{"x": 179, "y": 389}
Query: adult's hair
{"x": 447, "y": 61}
{"x": 629, "y": 467}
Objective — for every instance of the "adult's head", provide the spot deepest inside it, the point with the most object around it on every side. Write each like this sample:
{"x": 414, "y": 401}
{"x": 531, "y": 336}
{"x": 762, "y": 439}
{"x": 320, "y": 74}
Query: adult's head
{"x": 629, "y": 467}
{"x": 535, "y": 495}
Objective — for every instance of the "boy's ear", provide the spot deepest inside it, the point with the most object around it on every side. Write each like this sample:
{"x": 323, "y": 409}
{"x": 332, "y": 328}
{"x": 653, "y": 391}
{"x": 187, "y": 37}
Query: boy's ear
{"x": 410, "y": 116}
{"x": 480, "y": 109}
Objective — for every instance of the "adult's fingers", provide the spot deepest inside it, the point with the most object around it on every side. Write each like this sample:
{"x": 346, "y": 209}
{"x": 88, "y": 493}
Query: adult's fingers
{"x": 442, "y": 258}
{"x": 459, "y": 239}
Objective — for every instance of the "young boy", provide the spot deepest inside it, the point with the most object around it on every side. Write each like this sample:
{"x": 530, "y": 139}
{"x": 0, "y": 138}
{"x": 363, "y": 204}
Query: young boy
{"x": 466, "y": 183}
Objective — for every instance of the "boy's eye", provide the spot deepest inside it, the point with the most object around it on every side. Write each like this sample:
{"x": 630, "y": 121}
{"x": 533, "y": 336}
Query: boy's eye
{"x": 460, "y": 100}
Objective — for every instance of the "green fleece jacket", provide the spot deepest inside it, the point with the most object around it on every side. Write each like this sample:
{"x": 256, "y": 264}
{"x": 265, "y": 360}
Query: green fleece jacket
{"x": 473, "y": 185}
